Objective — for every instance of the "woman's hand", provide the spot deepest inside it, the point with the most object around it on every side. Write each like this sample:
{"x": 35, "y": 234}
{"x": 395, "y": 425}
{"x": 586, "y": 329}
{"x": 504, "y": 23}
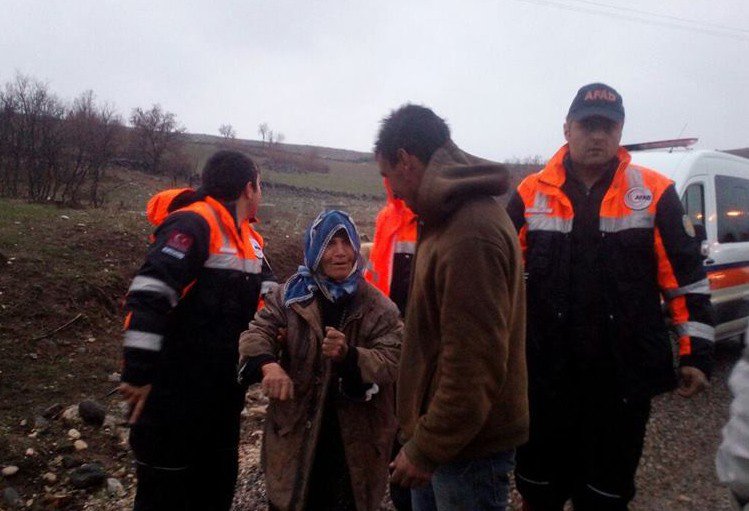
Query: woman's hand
{"x": 276, "y": 383}
{"x": 334, "y": 345}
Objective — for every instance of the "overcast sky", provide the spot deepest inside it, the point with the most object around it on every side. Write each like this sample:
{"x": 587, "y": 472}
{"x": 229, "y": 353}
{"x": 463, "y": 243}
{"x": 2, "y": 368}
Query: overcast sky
{"x": 324, "y": 72}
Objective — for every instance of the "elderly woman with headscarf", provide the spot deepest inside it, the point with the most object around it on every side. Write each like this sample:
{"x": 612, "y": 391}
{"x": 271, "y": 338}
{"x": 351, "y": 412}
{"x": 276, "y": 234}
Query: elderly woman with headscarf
{"x": 326, "y": 348}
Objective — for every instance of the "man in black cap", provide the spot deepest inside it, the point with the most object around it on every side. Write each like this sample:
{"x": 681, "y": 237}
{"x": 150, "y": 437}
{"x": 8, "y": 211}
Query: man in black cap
{"x": 604, "y": 242}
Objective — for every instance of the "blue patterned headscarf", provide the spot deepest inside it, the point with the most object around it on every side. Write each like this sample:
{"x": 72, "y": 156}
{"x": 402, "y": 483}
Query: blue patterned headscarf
{"x": 309, "y": 277}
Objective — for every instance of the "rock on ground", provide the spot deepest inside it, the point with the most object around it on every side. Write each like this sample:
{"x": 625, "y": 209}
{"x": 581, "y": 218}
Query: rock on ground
{"x": 88, "y": 475}
{"x": 92, "y": 412}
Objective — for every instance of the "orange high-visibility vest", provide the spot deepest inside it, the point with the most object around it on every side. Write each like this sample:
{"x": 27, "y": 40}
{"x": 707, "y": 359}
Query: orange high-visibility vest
{"x": 228, "y": 250}
{"x": 395, "y": 232}
{"x": 629, "y": 203}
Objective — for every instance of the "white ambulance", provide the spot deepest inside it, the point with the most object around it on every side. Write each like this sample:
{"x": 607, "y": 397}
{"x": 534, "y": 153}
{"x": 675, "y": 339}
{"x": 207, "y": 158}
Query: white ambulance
{"x": 714, "y": 188}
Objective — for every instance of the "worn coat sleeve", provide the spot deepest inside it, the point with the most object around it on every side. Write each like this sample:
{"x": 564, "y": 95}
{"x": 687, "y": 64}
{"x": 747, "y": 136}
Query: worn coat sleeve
{"x": 732, "y": 462}
{"x": 260, "y": 338}
{"x": 472, "y": 366}
{"x": 684, "y": 283}
{"x": 173, "y": 261}
{"x": 378, "y": 356}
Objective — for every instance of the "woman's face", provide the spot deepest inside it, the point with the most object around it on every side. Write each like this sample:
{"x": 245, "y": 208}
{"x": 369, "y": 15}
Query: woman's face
{"x": 338, "y": 257}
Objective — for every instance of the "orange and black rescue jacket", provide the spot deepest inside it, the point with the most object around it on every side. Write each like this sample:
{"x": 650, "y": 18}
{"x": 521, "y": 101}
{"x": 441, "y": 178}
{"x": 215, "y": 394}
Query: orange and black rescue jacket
{"x": 647, "y": 254}
{"x": 393, "y": 250}
{"x": 196, "y": 292}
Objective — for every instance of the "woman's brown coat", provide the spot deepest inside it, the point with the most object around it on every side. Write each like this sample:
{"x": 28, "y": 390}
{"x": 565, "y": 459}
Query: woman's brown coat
{"x": 292, "y": 427}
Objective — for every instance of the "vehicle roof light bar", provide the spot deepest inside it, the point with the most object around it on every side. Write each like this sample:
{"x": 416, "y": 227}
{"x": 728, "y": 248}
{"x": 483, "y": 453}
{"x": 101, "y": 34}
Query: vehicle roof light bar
{"x": 661, "y": 144}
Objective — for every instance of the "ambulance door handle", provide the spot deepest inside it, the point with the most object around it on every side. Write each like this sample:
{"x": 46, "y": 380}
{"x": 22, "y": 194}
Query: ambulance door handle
{"x": 709, "y": 261}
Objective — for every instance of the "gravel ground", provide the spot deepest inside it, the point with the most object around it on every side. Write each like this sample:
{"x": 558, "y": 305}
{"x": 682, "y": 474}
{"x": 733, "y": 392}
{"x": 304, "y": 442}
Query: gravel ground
{"x": 677, "y": 471}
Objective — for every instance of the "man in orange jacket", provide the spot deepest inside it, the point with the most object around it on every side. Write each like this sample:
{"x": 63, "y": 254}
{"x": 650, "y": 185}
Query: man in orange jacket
{"x": 604, "y": 241}
{"x": 392, "y": 250}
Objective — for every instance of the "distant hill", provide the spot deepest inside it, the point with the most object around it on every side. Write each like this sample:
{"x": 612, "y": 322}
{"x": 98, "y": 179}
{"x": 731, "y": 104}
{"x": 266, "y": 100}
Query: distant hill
{"x": 327, "y": 153}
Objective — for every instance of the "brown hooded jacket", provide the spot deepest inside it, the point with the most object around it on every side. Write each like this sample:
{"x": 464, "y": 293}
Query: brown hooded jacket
{"x": 462, "y": 383}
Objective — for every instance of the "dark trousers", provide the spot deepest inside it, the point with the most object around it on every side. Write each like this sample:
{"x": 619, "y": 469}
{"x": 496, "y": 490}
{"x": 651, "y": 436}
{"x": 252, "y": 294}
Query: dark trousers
{"x": 207, "y": 484}
{"x": 582, "y": 447}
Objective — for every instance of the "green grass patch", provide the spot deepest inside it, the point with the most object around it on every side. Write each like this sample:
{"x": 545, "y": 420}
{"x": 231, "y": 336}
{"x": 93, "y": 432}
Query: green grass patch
{"x": 351, "y": 183}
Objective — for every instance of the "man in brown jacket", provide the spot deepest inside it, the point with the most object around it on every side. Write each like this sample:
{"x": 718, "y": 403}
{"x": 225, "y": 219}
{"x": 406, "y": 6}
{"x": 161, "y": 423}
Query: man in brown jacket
{"x": 462, "y": 383}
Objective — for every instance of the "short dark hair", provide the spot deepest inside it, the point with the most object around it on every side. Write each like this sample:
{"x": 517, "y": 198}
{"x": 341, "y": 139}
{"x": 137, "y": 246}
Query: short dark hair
{"x": 416, "y": 129}
{"x": 226, "y": 173}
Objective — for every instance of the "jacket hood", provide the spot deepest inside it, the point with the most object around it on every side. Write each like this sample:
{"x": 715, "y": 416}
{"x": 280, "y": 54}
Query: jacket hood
{"x": 160, "y": 205}
{"x": 454, "y": 176}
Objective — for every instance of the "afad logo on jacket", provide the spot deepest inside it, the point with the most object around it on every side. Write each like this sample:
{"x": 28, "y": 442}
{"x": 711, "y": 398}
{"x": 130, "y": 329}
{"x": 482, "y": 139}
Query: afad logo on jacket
{"x": 257, "y": 248}
{"x": 638, "y": 198}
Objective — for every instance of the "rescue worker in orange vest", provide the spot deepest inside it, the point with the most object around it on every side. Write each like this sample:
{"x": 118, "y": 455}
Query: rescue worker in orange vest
{"x": 392, "y": 250}
{"x": 389, "y": 270}
{"x": 604, "y": 242}
{"x": 198, "y": 289}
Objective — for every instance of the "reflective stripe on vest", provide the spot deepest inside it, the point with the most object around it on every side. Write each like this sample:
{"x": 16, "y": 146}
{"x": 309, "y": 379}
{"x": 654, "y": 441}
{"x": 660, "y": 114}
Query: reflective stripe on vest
{"x": 405, "y": 247}
{"x": 635, "y": 220}
{"x": 234, "y": 262}
{"x": 152, "y": 285}
{"x": 143, "y": 340}
{"x": 700, "y": 287}
{"x": 695, "y": 329}
{"x": 540, "y": 217}
{"x": 549, "y": 223}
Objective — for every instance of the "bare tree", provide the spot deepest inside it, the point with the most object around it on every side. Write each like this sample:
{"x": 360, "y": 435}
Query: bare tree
{"x": 180, "y": 167}
{"x": 280, "y": 137}
{"x": 50, "y": 150}
{"x": 9, "y": 120}
{"x": 227, "y": 131}
{"x": 263, "y": 129}
{"x": 31, "y": 145}
{"x": 536, "y": 159}
{"x": 92, "y": 139}
{"x": 155, "y": 136}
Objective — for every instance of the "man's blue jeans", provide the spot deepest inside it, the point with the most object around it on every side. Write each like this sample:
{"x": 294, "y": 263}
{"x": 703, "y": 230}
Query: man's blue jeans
{"x": 475, "y": 485}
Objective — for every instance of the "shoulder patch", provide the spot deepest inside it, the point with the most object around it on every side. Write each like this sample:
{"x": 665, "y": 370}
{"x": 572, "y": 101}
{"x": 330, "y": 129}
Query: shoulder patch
{"x": 178, "y": 244}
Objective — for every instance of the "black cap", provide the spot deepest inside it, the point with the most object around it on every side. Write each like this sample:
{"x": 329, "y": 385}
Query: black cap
{"x": 597, "y": 99}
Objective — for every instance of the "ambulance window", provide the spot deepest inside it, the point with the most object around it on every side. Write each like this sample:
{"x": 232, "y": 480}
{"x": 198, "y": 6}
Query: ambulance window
{"x": 733, "y": 209}
{"x": 694, "y": 203}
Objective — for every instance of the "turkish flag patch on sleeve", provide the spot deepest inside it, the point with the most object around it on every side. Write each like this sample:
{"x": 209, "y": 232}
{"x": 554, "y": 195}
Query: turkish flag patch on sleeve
{"x": 178, "y": 244}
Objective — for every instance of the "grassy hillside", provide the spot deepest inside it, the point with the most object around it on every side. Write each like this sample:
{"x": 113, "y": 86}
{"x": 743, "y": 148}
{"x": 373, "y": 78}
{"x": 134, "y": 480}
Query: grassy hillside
{"x": 350, "y": 172}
